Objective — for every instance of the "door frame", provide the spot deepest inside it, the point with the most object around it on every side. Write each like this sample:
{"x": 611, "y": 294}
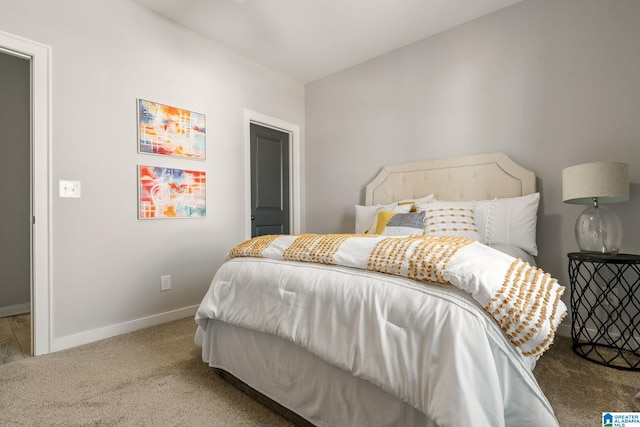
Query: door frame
{"x": 39, "y": 56}
{"x": 294, "y": 166}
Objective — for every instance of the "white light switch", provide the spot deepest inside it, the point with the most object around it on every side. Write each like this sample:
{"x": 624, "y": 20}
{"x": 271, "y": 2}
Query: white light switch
{"x": 165, "y": 283}
{"x": 69, "y": 189}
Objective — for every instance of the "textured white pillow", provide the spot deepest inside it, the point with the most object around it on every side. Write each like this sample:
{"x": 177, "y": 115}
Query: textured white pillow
{"x": 451, "y": 219}
{"x": 510, "y": 221}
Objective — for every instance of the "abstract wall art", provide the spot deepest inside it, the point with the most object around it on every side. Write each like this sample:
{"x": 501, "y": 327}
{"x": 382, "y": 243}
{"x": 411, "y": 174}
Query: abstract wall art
{"x": 171, "y": 193}
{"x": 170, "y": 131}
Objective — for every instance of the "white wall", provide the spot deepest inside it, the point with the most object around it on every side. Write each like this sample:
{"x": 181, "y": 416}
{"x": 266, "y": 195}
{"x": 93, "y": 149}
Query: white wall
{"x": 106, "y": 264}
{"x": 552, "y": 83}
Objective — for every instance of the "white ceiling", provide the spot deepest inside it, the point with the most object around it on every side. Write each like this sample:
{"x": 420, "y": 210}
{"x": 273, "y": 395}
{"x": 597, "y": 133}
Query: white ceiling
{"x": 310, "y": 39}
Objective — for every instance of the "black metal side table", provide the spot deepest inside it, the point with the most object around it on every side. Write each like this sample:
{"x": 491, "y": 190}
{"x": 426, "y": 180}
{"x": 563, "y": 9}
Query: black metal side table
{"x": 605, "y": 308}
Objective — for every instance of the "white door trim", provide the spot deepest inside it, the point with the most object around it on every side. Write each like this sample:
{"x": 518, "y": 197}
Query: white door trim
{"x": 40, "y": 60}
{"x": 294, "y": 172}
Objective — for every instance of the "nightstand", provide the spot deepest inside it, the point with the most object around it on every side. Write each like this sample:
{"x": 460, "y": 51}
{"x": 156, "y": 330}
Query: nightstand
{"x": 605, "y": 308}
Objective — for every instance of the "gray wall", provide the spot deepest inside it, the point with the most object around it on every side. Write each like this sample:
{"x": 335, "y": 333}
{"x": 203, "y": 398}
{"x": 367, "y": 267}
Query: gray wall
{"x": 106, "y": 264}
{"x": 552, "y": 83}
{"x": 15, "y": 185}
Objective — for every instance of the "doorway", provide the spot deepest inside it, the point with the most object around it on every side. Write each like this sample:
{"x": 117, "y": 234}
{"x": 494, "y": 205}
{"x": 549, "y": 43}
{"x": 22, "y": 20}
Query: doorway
{"x": 15, "y": 227}
{"x": 293, "y": 132}
{"x": 38, "y": 179}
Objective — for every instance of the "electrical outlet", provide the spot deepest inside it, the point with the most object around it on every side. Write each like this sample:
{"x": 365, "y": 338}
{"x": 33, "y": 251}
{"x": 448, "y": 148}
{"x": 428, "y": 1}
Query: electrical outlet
{"x": 69, "y": 189}
{"x": 165, "y": 283}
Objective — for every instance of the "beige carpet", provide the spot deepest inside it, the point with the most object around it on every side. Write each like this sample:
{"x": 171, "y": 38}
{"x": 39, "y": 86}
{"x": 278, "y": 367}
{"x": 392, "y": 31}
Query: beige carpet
{"x": 579, "y": 390}
{"x": 155, "y": 377}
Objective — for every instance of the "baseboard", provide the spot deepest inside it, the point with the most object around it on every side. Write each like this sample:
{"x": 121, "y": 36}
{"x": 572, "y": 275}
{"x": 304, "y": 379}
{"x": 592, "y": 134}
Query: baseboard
{"x": 86, "y": 337}
{"x": 14, "y": 310}
{"x": 564, "y": 330}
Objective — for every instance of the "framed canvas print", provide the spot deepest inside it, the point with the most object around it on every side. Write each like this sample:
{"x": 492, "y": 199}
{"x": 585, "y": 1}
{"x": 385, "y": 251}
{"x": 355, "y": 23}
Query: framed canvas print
{"x": 171, "y": 193}
{"x": 170, "y": 131}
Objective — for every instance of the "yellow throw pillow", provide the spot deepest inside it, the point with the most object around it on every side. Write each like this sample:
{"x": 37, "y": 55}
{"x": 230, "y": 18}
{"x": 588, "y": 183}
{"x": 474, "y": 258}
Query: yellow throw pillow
{"x": 383, "y": 219}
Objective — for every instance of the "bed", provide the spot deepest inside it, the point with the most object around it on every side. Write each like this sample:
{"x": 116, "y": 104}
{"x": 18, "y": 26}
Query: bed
{"x": 345, "y": 335}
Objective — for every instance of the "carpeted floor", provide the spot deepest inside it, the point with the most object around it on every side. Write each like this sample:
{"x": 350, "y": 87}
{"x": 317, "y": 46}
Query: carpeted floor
{"x": 579, "y": 390}
{"x": 155, "y": 377}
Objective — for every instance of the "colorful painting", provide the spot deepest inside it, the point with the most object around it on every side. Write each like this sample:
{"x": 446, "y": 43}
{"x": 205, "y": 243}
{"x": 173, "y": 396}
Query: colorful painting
{"x": 170, "y": 131}
{"x": 171, "y": 193}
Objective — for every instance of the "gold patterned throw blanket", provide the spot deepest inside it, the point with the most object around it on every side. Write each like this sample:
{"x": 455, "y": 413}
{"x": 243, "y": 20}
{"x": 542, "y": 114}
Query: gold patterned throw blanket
{"x": 524, "y": 300}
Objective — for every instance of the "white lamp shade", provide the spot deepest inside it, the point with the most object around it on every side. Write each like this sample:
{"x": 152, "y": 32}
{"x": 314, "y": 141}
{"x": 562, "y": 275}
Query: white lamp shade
{"x": 606, "y": 181}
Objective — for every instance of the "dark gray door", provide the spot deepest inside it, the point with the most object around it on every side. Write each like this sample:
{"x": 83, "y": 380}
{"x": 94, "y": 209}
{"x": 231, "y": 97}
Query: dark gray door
{"x": 269, "y": 181}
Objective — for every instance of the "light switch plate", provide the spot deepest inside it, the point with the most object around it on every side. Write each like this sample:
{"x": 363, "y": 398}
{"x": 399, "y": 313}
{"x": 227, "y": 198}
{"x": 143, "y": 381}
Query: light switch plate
{"x": 165, "y": 283}
{"x": 69, "y": 189}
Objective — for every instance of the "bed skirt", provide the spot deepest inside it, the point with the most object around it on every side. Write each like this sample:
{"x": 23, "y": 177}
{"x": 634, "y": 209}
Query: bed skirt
{"x": 300, "y": 382}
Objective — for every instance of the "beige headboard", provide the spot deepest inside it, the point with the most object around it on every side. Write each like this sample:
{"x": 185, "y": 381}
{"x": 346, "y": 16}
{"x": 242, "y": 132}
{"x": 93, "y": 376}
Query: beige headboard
{"x": 480, "y": 177}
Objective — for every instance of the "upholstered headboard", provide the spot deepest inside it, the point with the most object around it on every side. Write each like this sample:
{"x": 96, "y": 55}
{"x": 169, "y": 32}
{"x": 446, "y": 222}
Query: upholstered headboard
{"x": 480, "y": 177}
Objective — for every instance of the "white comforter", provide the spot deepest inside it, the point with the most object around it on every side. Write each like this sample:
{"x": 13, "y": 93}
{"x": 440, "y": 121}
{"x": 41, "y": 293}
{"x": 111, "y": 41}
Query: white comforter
{"x": 431, "y": 345}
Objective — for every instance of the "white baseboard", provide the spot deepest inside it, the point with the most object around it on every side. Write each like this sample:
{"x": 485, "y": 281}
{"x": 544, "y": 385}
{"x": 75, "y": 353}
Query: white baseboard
{"x": 14, "y": 310}
{"x": 69, "y": 341}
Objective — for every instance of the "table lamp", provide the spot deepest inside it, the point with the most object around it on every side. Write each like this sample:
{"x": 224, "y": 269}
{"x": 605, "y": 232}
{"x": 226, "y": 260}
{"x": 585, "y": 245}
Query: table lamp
{"x": 598, "y": 229}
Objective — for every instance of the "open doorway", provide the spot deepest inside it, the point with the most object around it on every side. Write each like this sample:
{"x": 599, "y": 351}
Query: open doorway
{"x": 15, "y": 227}
{"x": 32, "y": 182}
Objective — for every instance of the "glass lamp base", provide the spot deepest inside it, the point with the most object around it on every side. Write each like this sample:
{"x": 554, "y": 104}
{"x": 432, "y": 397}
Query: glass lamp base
{"x": 599, "y": 230}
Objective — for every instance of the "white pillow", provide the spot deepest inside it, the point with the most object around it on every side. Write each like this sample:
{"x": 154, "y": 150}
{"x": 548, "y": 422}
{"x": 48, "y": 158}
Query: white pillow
{"x": 510, "y": 221}
{"x": 451, "y": 219}
{"x": 365, "y": 216}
